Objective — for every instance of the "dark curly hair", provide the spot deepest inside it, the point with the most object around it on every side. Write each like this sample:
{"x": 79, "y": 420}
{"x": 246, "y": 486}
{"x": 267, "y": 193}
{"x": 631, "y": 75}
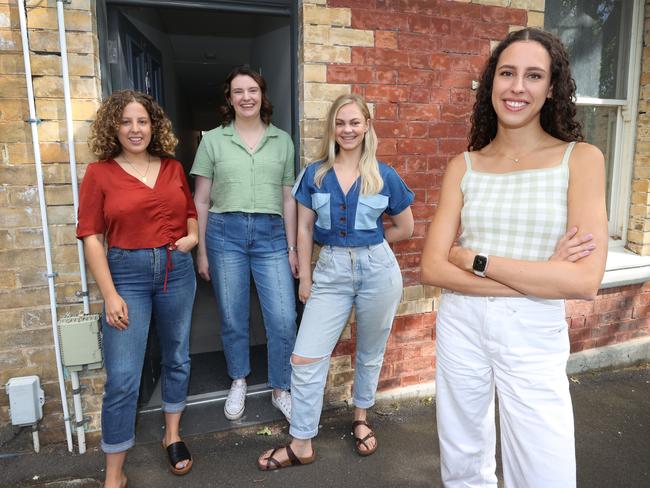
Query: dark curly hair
{"x": 103, "y": 131}
{"x": 558, "y": 113}
{"x": 228, "y": 111}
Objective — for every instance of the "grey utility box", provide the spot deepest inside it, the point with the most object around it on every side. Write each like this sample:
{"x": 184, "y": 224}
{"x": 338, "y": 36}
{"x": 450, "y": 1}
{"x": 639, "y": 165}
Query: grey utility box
{"x": 80, "y": 342}
{"x": 25, "y": 400}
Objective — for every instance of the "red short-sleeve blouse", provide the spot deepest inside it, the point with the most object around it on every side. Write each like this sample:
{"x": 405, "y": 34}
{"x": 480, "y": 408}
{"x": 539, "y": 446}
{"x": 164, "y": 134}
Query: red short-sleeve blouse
{"x": 128, "y": 212}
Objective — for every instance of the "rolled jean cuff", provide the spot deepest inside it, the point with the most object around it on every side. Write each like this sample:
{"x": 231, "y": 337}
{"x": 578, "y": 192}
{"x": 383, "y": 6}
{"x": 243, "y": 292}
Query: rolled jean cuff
{"x": 303, "y": 436}
{"x": 361, "y": 404}
{"x": 116, "y": 448}
{"x": 173, "y": 407}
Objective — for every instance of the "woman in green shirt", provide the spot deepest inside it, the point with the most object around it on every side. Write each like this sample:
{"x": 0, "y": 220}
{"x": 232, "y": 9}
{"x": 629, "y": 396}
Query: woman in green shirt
{"x": 244, "y": 171}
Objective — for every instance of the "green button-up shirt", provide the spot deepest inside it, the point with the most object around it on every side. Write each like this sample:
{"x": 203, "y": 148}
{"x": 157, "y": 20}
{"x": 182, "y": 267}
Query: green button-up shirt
{"x": 243, "y": 180}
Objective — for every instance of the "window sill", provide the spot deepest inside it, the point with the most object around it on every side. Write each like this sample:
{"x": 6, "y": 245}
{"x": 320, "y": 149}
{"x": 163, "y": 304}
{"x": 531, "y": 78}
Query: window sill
{"x": 624, "y": 267}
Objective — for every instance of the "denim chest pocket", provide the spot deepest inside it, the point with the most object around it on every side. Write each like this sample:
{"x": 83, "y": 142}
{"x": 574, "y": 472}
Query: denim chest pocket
{"x": 369, "y": 208}
{"x": 320, "y": 203}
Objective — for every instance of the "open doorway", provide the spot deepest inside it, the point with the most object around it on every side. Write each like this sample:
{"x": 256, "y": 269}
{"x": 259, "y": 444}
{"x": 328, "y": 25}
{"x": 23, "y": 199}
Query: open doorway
{"x": 180, "y": 53}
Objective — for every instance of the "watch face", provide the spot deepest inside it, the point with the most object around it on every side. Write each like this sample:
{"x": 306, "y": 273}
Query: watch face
{"x": 480, "y": 262}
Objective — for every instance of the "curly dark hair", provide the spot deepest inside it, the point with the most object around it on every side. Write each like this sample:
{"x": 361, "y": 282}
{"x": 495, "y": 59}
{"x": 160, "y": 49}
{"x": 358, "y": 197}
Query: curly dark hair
{"x": 558, "y": 113}
{"x": 103, "y": 131}
{"x": 228, "y": 111}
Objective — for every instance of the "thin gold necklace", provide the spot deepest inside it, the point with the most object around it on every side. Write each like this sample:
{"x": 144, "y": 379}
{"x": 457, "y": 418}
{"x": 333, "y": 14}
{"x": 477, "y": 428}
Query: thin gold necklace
{"x": 516, "y": 160}
{"x": 141, "y": 177}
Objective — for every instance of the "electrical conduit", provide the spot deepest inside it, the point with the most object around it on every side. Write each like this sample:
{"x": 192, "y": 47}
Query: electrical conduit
{"x": 74, "y": 376}
{"x": 43, "y": 208}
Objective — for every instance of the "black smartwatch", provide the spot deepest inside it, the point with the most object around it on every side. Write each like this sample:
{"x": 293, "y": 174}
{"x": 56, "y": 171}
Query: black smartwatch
{"x": 479, "y": 266}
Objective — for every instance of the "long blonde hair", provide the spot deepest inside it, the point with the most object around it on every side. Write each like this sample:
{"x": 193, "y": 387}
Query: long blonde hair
{"x": 371, "y": 181}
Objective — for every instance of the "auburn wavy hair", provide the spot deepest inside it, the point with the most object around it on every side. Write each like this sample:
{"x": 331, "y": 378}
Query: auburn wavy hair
{"x": 103, "y": 140}
{"x": 228, "y": 111}
{"x": 558, "y": 113}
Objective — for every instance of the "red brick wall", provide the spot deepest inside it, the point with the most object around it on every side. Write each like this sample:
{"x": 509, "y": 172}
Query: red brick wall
{"x": 617, "y": 315}
{"x": 418, "y": 76}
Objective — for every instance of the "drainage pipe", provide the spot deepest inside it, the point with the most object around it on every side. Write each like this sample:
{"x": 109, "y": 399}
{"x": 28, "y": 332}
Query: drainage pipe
{"x": 46, "y": 233}
{"x": 74, "y": 376}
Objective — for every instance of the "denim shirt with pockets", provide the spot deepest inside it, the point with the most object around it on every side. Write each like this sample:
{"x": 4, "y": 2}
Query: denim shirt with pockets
{"x": 350, "y": 220}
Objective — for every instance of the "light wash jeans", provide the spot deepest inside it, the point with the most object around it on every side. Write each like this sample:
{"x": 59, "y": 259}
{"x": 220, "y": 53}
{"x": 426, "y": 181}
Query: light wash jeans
{"x": 518, "y": 346}
{"x": 238, "y": 243}
{"x": 368, "y": 278}
{"x": 139, "y": 277}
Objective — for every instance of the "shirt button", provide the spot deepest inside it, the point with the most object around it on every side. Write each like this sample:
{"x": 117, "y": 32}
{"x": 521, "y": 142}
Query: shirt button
{"x": 342, "y": 206}
{"x": 342, "y": 233}
{"x": 342, "y": 219}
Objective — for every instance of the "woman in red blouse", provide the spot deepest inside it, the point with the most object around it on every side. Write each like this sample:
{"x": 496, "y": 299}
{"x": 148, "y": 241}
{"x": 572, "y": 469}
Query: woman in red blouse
{"x": 137, "y": 200}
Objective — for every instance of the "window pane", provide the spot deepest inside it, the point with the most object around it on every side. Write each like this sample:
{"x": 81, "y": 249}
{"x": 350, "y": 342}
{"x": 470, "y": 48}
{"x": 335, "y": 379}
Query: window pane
{"x": 597, "y": 36}
{"x": 599, "y": 128}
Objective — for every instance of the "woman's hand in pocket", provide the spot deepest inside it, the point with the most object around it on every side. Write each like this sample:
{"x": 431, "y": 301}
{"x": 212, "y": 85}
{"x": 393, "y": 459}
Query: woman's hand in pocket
{"x": 186, "y": 244}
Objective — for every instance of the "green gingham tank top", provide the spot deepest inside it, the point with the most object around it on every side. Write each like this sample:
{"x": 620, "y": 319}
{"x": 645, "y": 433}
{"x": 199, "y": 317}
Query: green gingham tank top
{"x": 518, "y": 215}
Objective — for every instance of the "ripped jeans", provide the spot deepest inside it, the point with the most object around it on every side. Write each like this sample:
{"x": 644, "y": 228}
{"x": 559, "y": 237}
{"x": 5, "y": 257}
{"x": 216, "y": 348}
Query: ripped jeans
{"x": 370, "y": 279}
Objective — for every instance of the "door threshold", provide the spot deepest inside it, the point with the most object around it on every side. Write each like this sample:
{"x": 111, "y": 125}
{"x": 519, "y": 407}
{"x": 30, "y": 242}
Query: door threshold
{"x": 213, "y": 396}
{"x": 204, "y": 415}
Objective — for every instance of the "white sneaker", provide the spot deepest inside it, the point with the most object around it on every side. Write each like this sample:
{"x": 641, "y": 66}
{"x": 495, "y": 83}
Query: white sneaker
{"x": 235, "y": 403}
{"x": 283, "y": 403}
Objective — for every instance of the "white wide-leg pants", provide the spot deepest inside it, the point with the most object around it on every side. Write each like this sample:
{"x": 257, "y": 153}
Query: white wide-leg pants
{"x": 520, "y": 346}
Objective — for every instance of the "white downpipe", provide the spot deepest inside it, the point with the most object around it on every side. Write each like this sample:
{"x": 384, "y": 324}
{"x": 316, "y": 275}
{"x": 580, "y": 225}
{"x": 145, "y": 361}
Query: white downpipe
{"x": 43, "y": 208}
{"x": 74, "y": 376}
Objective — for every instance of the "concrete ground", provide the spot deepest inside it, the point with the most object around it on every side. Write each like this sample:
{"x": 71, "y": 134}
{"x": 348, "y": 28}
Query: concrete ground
{"x": 612, "y": 410}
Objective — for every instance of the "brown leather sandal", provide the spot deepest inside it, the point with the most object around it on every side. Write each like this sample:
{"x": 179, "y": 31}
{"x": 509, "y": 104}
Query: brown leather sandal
{"x": 362, "y": 441}
{"x": 273, "y": 464}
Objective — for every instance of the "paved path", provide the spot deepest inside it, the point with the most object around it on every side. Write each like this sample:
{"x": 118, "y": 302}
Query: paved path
{"x": 612, "y": 435}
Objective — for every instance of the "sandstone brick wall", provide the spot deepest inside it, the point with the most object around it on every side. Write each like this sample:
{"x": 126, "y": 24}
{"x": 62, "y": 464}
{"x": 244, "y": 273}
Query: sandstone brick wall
{"x": 26, "y": 344}
{"x": 638, "y": 235}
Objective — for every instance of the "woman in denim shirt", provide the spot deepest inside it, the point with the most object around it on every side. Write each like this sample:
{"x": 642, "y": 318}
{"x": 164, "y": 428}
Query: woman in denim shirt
{"x": 342, "y": 198}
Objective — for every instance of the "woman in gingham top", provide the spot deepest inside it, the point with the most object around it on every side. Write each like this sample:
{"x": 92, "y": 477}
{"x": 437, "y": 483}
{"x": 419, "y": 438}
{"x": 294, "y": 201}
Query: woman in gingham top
{"x": 501, "y": 323}
{"x": 341, "y": 201}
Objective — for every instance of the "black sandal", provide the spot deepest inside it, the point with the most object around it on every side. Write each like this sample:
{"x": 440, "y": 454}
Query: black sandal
{"x": 362, "y": 441}
{"x": 177, "y": 452}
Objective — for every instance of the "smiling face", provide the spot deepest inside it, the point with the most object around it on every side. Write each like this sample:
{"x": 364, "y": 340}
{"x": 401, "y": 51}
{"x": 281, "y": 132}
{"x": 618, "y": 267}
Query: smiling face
{"x": 134, "y": 132}
{"x": 245, "y": 97}
{"x": 350, "y": 127}
{"x": 522, "y": 82}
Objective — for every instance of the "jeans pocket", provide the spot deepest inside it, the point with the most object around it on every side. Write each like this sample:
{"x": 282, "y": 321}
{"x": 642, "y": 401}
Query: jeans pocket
{"x": 382, "y": 255}
{"x": 215, "y": 228}
{"x": 115, "y": 255}
{"x": 369, "y": 209}
{"x": 277, "y": 228}
{"x": 325, "y": 256}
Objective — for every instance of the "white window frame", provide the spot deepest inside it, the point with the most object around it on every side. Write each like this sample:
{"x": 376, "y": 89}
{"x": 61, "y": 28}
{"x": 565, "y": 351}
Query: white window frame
{"x": 625, "y": 133}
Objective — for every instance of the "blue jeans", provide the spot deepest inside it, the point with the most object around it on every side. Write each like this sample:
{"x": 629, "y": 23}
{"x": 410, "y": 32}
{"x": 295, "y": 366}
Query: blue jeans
{"x": 139, "y": 277}
{"x": 368, "y": 278}
{"x": 238, "y": 243}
